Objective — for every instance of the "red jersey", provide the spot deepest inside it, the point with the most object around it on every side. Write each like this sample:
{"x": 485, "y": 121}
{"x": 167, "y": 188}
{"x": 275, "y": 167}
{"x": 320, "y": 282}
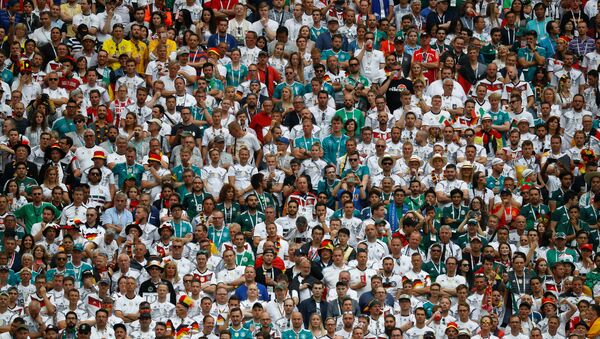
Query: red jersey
{"x": 427, "y": 56}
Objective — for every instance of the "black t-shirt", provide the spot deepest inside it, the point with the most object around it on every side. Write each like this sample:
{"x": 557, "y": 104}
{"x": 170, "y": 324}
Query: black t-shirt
{"x": 193, "y": 129}
{"x": 396, "y": 87}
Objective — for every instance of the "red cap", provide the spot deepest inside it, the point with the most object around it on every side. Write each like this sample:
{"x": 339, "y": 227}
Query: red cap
{"x": 548, "y": 301}
{"x": 587, "y": 247}
{"x": 452, "y": 325}
{"x": 154, "y": 157}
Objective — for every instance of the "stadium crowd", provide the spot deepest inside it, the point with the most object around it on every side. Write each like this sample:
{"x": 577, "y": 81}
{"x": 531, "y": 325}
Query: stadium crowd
{"x": 301, "y": 169}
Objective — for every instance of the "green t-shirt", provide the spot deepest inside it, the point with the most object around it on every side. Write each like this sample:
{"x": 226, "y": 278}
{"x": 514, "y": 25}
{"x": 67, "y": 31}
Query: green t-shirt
{"x": 230, "y": 213}
{"x": 64, "y": 126}
{"x": 528, "y": 54}
{"x": 296, "y": 87}
{"x": 360, "y": 172}
{"x": 32, "y": 214}
{"x": 457, "y": 213}
{"x": 333, "y": 148}
{"x": 340, "y": 55}
{"x": 178, "y": 171}
{"x": 26, "y": 184}
{"x": 535, "y": 215}
{"x": 291, "y": 334}
{"x": 236, "y": 77}
{"x": 245, "y": 258}
{"x": 590, "y": 215}
{"x": 193, "y": 203}
{"x": 553, "y": 256}
{"x": 242, "y": 333}
{"x": 355, "y": 114}
{"x": 122, "y": 171}
{"x": 249, "y": 222}
{"x": 433, "y": 269}
{"x": 218, "y": 237}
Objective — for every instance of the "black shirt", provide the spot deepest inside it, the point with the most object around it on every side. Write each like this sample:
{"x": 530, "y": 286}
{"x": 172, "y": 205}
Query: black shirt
{"x": 393, "y": 92}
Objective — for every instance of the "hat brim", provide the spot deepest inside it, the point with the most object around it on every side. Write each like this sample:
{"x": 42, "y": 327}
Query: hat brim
{"x": 386, "y": 157}
{"x": 49, "y": 150}
{"x": 130, "y": 226}
{"x": 444, "y": 160}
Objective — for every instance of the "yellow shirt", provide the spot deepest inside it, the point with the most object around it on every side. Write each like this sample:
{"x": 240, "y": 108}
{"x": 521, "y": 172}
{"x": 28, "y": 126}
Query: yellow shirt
{"x": 140, "y": 50}
{"x": 115, "y": 50}
{"x": 171, "y": 46}
{"x": 594, "y": 330}
{"x": 72, "y": 11}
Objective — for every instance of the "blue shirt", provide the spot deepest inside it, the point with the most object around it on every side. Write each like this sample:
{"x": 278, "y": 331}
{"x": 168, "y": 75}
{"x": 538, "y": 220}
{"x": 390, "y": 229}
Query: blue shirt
{"x": 215, "y": 40}
{"x": 112, "y": 216}
{"x": 242, "y": 292}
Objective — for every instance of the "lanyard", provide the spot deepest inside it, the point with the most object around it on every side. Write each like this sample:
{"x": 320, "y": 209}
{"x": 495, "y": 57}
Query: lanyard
{"x": 519, "y": 291}
{"x": 510, "y": 38}
{"x": 228, "y": 217}
{"x": 260, "y": 201}
{"x": 253, "y": 222}
{"x": 239, "y": 74}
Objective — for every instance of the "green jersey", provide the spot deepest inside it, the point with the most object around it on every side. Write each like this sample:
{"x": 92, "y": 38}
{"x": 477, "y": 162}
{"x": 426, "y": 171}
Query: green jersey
{"x": 249, "y": 221}
{"x": 193, "y": 203}
{"x": 354, "y": 114}
{"x": 32, "y": 214}
{"x": 535, "y": 215}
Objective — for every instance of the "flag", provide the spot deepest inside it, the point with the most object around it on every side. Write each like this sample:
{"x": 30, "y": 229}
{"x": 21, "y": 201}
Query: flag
{"x": 170, "y": 327}
{"x": 94, "y": 302}
{"x": 182, "y": 332}
{"x": 595, "y": 133}
{"x": 195, "y": 327}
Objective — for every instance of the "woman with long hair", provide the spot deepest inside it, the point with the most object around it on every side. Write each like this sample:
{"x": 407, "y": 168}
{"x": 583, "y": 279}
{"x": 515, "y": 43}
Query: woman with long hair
{"x": 305, "y": 33}
{"x": 50, "y": 182}
{"x": 171, "y": 274}
{"x": 38, "y": 124}
{"x": 501, "y": 57}
{"x": 27, "y": 244}
{"x": 156, "y": 20}
{"x": 297, "y": 63}
{"x": 448, "y": 62}
{"x": 262, "y": 43}
{"x": 15, "y": 199}
{"x": 549, "y": 95}
{"x": 207, "y": 25}
{"x": 553, "y": 126}
{"x": 564, "y": 95}
{"x": 236, "y": 70}
{"x": 228, "y": 203}
{"x": 183, "y": 23}
{"x": 40, "y": 258}
{"x": 568, "y": 32}
{"x": 416, "y": 72}
{"x": 286, "y": 104}
{"x": 479, "y": 189}
{"x": 82, "y": 67}
{"x": 127, "y": 128}
{"x": 504, "y": 255}
{"x": 480, "y": 211}
{"x": 541, "y": 269}
{"x": 350, "y": 127}
{"x": 492, "y": 16}
{"x": 315, "y": 326}
{"x": 359, "y": 43}
{"x": 277, "y": 60}
{"x": 539, "y": 83}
